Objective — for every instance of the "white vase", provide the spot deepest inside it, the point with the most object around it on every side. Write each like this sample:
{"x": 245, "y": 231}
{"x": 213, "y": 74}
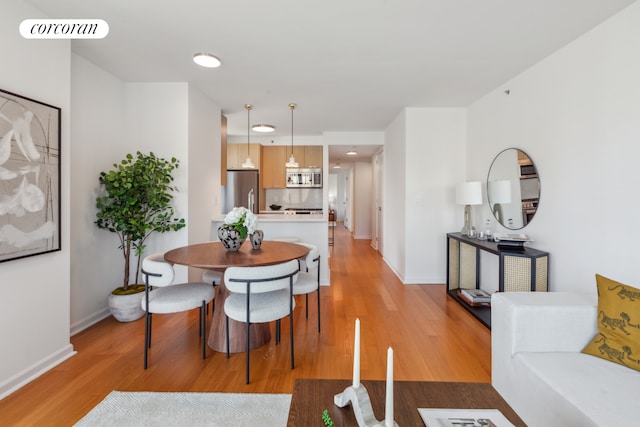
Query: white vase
{"x": 126, "y": 308}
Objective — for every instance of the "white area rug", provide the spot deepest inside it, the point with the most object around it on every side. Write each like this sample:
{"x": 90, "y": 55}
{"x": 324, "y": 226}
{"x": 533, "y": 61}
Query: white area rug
{"x": 189, "y": 409}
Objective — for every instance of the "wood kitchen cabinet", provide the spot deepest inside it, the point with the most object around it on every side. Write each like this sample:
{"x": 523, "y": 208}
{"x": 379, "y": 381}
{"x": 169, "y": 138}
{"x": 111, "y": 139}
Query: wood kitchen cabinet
{"x": 273, "y": 169}
{"x": 237, "y": 154}
{"x": 312, "y": 156}
{"x": 274, "y": 158}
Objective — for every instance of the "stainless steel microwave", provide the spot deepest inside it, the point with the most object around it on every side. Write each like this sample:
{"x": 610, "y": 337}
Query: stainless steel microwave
{"x": 302, "y": 177}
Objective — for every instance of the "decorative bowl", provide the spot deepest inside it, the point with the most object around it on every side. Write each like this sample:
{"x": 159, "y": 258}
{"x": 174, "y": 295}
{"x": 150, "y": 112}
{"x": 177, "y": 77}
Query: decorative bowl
{"x": 275, "y": 207}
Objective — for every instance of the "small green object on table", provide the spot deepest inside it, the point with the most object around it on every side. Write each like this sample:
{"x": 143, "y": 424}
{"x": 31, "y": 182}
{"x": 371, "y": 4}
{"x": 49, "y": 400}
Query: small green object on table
{"x": 328, "y": 422}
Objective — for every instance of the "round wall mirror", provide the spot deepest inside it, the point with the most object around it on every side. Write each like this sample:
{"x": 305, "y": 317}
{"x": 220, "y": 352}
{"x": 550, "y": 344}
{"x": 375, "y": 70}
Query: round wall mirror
{"x": 513, "y": 188}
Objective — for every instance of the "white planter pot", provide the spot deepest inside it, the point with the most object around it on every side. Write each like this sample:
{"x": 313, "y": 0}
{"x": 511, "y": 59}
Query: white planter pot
{"x": 126, "y": 308}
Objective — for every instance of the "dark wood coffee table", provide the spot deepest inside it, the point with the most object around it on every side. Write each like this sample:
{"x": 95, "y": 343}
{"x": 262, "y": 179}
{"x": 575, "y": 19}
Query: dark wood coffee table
{"x": 311, "y": 397}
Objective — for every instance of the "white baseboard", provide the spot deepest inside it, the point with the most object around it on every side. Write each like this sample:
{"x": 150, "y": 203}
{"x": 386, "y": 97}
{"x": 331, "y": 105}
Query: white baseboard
{"x": 91, "y": 320}
{"x": 425, "y": 280}
{"x": 33, "y": 372}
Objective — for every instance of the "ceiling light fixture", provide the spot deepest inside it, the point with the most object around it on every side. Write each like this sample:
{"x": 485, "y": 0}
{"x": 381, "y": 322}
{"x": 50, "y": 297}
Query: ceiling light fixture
{"x": 351, "y": 153}
{"x": 207, "y": 60}
{"x": 263, "y": 128}
{"x": 292, "y": 160}
{"x": 337, "y": 165}
{"x": 248, "y": 164}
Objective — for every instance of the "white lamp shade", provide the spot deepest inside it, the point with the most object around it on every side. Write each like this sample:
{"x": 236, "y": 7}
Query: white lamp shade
{"x": 499, "y": 191}
{"x": 469, "y": 193}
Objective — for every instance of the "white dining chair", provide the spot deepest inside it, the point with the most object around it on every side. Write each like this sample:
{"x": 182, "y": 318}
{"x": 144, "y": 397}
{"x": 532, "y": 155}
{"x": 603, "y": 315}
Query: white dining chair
{"x": 163, "y": 296}
{"x": 259, "y": 295}
{"x": 309, "y": 278}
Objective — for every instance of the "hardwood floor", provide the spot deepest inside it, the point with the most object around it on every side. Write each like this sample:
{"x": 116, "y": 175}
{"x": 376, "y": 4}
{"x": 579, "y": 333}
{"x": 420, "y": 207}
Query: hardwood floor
{"x": 432, "y": 336}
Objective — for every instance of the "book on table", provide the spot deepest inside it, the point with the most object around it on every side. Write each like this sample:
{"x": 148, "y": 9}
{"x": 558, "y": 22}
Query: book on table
{"x": 475, "y": 295}
{"x": 446, "y": 417}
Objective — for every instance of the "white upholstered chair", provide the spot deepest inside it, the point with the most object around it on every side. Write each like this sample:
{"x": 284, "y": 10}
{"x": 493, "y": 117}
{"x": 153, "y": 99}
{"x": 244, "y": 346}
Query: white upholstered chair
{"x": 309, "y": 278}
{"x": 162, "y": 296}
{"x": 212, "y": 276}
{"x": 259, "y": 295}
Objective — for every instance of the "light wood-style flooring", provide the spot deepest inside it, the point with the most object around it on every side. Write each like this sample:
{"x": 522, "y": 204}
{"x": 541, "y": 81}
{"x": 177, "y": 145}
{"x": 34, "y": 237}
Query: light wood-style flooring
{"x": 433, "y": 338}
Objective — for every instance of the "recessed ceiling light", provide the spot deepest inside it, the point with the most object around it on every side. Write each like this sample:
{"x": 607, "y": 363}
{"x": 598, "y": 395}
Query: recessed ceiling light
{"x": 207, "y": 60}
{"x": 263, "y": 128}
{"x": 351, "y": 153}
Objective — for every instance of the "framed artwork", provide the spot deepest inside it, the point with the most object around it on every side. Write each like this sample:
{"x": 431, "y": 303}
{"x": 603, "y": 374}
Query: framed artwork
{"x": 29, "y": 177}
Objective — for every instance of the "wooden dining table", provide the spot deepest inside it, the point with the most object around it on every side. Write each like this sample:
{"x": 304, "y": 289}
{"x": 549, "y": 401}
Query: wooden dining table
{"x": 214, "y": 256}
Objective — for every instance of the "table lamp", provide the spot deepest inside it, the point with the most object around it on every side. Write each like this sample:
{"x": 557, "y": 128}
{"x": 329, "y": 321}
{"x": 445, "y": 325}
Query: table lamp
{"x": 467, "y": 194}
{"x": 499, "y": 192}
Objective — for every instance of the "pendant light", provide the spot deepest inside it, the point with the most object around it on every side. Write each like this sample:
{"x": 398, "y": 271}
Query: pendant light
{"x": 292, "y": 160}
{"x": 248, "y": 164}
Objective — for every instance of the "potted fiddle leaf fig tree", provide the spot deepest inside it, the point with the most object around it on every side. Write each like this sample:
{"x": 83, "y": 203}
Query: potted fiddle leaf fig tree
{"x": 135, "y": 202}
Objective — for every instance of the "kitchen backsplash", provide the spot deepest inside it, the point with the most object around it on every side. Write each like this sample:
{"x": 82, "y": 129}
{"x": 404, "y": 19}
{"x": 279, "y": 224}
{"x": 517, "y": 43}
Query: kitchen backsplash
{"x": 310, "y": 198}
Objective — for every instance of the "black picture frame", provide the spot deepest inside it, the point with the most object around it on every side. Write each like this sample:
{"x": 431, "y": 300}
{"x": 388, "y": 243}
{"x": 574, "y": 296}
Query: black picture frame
{"x": 30, "y": 160}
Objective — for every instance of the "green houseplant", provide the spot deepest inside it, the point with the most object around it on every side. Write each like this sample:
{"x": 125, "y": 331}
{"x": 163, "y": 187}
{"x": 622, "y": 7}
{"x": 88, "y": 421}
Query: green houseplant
{"x": 134, "y": 202}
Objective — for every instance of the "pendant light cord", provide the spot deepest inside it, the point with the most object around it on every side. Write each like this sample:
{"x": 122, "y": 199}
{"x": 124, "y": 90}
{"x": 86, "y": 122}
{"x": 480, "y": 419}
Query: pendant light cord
{"x": 248, "y": 107}
{"x": 292, "y": 107}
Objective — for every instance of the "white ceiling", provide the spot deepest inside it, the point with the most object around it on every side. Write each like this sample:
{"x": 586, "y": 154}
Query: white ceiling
{"x": 350, "y": 65}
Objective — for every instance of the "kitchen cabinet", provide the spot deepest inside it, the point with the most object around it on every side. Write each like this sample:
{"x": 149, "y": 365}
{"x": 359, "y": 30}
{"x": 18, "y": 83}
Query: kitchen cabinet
{"x": 312, "y": 156}
{"x": 237, "y": 154}
{"x": 273, "y": 169}
{"x": 274, "y": 158}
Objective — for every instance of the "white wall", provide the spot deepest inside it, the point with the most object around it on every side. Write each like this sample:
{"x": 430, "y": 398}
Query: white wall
{"x": 577, "y": 115}
{"x": 97, "y": 140}
{"x": 170, "y": 119}
{"x": 435, "y": 144}
{"x": 203, "y": 168}
{"x": 34, "y": 291}
{"x": 395, "y": 173}
{"x": 423, "y": 161}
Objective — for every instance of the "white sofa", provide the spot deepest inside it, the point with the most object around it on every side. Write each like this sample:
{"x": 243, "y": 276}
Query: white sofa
{"x": 538, "y": 368}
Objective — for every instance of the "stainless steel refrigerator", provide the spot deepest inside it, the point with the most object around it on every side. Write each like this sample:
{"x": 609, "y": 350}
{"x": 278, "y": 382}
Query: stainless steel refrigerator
{"x": 242, "y": 190}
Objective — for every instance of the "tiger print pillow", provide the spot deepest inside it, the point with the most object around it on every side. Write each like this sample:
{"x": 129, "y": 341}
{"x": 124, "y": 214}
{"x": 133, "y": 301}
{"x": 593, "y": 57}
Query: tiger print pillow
{"x": 618, "y": 339}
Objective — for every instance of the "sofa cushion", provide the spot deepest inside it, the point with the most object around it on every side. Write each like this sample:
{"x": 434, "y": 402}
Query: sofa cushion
{"x": 618, "y": 339}
{"x": 576, "y": 389}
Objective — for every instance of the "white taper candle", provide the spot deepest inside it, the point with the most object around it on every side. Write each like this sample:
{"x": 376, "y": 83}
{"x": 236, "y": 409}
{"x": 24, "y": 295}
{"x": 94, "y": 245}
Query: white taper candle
{"x": 356, "y": 356}
{"x": 388, "y": 409}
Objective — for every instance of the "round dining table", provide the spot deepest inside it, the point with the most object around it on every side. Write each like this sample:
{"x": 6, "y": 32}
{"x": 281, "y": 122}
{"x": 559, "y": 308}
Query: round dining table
{"x": 214, "y": 256}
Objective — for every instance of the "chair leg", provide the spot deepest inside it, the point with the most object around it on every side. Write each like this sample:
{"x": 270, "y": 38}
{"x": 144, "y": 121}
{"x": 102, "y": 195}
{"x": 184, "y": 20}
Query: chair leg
{"x": 227, "y": 329}
{"x": 291, "y": 318}
{"x": 147, "y": 325}
{"x": 318, "y": 308}
{"x": 150, "y": 323}
{"x": 201, "y": 309}
{"x": 291, "y": 337}
{"x": 277, "y": 331}
{"x": 203, "y": 326}
{"x": 247, "y": 351}
{"x": 306, "y": 304}
{"x": 248, "y": 323}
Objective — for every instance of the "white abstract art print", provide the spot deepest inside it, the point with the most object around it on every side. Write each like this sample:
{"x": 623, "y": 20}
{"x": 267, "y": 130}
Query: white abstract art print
{"x": 29, "y": 177}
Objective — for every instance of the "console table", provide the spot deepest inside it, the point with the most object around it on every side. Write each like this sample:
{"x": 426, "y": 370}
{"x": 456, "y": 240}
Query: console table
{"x": 520, "y": 270}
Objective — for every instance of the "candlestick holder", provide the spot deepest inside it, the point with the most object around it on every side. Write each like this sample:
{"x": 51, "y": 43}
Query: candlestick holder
{"x": 361, "y": 404}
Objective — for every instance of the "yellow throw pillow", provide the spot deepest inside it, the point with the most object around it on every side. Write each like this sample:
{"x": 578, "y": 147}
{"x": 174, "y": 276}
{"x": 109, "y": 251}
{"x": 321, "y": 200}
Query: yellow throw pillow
{"x": 618, "y": 339}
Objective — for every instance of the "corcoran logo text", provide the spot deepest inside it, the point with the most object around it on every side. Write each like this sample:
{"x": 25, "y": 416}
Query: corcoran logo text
{"x": 64, "y": 29}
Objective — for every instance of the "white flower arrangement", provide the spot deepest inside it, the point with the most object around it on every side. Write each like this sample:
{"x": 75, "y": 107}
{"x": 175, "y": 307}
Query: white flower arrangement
{"x": 243, "y": 220}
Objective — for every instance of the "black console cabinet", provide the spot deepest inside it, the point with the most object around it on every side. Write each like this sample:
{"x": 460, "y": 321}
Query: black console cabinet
{"x": 520, "y": 270}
